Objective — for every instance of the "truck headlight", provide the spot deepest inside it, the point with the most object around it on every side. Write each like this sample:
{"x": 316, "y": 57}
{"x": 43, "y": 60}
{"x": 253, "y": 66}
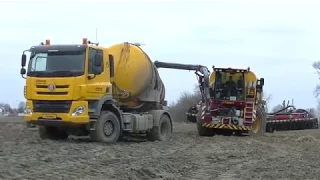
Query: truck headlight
{"x": 27, "y": 110}
{"x": 78, "y": 110}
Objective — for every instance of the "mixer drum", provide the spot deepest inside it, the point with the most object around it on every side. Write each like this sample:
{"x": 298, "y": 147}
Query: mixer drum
{"x": 136, "y": 74}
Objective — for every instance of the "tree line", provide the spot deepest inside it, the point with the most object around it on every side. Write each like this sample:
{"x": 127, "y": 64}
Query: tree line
{"x": 11, "y": 110}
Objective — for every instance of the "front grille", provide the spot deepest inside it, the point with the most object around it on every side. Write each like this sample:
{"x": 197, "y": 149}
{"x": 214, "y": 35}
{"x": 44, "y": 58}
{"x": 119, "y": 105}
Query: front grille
{"x": 52, "y": 106}
{"x": 52, "y": 93}
{"x": 59, "y": 87}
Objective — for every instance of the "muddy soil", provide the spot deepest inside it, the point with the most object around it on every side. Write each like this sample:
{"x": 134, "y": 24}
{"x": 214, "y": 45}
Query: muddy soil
{"x": 282, "y": 155}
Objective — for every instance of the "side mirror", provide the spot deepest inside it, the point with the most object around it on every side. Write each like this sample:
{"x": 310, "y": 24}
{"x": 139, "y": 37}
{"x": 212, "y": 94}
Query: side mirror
{"x": 23, "y": 60}
{"x": 262, "y": 81}
{"x": 165, "y": 103}
{"x": 22, "y": 71}
{"x": 111, "y": 66}
{"x": 97, "y": 60}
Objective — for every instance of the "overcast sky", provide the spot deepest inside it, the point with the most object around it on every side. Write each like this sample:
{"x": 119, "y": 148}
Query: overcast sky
{"x": 279, "y": 41}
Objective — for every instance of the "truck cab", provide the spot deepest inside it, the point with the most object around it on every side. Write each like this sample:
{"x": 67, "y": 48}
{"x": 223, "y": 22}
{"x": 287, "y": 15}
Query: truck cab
{"x": 61, "y": 83}
{"x": 61, "y": 78}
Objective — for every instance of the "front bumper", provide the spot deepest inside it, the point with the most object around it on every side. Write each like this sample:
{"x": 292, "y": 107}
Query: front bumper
{"x": 226, "y": 126}
{"x": 54, "y": 119}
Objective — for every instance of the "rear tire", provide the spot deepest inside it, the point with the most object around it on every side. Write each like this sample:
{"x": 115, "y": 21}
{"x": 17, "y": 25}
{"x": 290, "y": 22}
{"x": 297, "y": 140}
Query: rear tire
{"x": 107, "y": 128}
{"x": 52, "y": 133}
{"x": 163, "y": 131}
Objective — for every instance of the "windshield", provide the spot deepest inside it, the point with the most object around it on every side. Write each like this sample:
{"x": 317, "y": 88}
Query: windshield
{"x": 230, "y": 86}
{"x": 56, "y": 64}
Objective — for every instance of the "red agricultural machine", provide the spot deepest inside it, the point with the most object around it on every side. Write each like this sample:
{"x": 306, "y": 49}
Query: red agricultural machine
{"x": 285, "y": 119}
{"x": 290, "y": 118}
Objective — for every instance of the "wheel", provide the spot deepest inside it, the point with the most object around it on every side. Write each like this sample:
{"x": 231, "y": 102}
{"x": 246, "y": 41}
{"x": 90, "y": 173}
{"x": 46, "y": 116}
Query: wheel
{"x": 259, "y": 125}
{"x": 53, "y": 133}
{"x": 203, "y": 131}
{"x": 163, "y": 131}
{"x": 106, "y": 129}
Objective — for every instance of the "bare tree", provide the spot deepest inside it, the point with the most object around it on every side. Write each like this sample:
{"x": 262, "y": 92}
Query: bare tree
{"x": 267, "y": 98}
{"x": 182, "y": 105}
{"x": 6, "y": 107}
{"x": 316, "y": 66}
{"x": 318, "y": 109}
{"x": 21, "y": 107}
{"x": 312, "y": 112}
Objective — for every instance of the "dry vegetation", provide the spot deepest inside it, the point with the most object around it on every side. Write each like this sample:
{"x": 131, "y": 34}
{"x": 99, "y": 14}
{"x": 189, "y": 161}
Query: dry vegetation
{"x": 181, "y": 106}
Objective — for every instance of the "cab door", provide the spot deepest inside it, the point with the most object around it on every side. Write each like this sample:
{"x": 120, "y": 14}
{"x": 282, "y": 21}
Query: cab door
{"x": 98, "y": 78}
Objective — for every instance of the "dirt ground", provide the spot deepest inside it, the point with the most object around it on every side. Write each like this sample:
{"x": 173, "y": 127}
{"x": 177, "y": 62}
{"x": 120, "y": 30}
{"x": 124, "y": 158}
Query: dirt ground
{"x": 282, "y": 155}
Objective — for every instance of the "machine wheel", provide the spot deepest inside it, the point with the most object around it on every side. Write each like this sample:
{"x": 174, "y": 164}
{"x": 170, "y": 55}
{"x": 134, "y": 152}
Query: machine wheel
{"x": 107, "y": 128}
{"x": 259, "y": 125}
{"x": 203, "y": 131}
{"x": 53, "y": 133}
{"x": 163, "y": 131}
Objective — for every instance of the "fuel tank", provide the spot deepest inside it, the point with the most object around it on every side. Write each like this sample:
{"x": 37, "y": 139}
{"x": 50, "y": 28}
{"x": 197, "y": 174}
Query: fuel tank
{"x": 135, "y": 76}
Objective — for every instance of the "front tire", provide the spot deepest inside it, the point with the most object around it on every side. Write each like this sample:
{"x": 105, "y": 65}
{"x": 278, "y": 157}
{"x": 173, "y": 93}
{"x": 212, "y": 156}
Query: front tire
{"x": 107, "y": 128}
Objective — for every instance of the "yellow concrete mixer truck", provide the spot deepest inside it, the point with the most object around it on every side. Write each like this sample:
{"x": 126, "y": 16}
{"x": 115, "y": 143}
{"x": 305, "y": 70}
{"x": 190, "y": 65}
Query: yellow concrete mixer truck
{"x": 86, "y": 89}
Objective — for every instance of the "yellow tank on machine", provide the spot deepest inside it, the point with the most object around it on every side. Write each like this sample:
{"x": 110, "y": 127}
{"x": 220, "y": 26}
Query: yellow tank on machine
{"x": 136, "y": 79}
